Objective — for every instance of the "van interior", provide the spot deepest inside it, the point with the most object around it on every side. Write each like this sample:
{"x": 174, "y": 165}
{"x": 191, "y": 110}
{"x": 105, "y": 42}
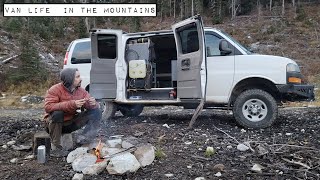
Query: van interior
{"x": 152, "y": 68}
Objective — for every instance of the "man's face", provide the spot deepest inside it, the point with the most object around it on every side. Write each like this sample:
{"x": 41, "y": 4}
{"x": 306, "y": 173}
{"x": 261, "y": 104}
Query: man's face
{"x": 77, "y": 80}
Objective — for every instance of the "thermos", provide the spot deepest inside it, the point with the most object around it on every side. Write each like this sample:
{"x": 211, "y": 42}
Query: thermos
{"x": 41, "y": 155}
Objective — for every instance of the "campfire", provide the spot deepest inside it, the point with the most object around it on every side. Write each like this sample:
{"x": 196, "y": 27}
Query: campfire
{"x": 97, "y": 151}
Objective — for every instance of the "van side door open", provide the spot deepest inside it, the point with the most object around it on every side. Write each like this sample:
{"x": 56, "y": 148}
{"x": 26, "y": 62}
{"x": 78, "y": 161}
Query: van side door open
{"x": 191, "y": 58}
{"x": 106, "y": 50}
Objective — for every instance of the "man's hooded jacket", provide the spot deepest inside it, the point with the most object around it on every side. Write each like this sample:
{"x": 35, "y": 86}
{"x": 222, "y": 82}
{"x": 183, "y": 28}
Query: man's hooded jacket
{"x": 60, "y": 98}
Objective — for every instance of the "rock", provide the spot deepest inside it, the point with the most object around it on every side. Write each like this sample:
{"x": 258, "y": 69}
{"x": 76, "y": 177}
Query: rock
{"x": 83, "y": 161}
{"x": 261, "y": 150}
{"x": 130, "y": 142}
{"x": 243, "y": 130}
{"x": 242, "y": 147}
{"x": 75, "y": 153}
{"x": 169, "y": 175}
{"x": 32, "y": 99}
{"x": 229, "y": 147}
{"x": 166, "y": 125}
{"x": 218, "y": 168}
{"x": 5, "y": 146}
{"x": 138, "y": 133}
{"x": 21, "y": 147}
{"x": 302, "y": 130}
{"x": 145, "y": 154}
{"x": 67, "y": 141}
{"x": 77, "y": 176}
{"x": 218, "y": 174}
{"x": 288, "y": 134}
{"x": 29, "y": 157}
{"x": 188, "y": 143}
{"x": 14, "y": 160}
{"x": 96, "y": 168}
{"x": 114, "y": 143}
{"x": 123, "y": 163}
{"x": 106, "y": 151}
{"x": 257, "y": 168}
{"x": 10, "y": 143}
{"x": 189, "y": 167}
{"x": 200, "y": 178}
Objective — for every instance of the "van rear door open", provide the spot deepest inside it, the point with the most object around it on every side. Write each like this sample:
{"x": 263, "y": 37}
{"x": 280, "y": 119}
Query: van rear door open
{"x": 191, "y": 59}
{"x": 106, "y": 50}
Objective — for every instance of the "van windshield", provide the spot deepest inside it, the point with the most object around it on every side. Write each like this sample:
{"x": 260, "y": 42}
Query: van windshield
{"x": 236, "y": 42}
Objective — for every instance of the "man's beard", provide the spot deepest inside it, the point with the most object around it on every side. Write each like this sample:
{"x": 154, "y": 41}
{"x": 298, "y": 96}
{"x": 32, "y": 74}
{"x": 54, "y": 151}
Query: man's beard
{"x": 79, "y": 84}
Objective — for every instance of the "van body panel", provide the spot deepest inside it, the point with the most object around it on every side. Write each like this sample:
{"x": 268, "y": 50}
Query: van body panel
{"x": 106, "y": 50}
{"x": 191, "y": 60}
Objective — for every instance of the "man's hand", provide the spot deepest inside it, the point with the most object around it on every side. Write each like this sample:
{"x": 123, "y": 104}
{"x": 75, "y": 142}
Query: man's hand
{"x": 92, "y": 101}
{"x": 80, "y": 102}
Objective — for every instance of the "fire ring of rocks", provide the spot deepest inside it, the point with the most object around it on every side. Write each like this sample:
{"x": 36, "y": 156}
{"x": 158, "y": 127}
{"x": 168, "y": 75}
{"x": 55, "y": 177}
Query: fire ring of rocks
{"x": 117, "y": 156}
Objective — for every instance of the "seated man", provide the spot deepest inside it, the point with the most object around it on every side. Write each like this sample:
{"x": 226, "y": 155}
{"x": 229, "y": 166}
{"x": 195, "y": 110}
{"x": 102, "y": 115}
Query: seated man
{"x": 63, "y": 103}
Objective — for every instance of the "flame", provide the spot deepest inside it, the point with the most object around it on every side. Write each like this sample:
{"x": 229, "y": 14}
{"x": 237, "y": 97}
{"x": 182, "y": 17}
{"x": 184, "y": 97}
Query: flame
{"x": 97, "y": 150}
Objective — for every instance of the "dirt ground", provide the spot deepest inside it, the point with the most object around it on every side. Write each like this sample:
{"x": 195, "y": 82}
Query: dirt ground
{"x": 290, "y": 149}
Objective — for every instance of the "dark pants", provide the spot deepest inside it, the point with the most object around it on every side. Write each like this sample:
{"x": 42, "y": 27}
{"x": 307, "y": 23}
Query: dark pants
{"x": 57, "y": 126}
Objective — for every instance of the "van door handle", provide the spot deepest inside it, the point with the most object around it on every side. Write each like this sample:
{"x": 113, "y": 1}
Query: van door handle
{"x": 185, "y": 64}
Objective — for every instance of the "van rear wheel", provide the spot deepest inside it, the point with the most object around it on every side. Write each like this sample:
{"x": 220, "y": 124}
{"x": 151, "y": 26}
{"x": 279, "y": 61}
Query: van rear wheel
{"x": 131, "y": 110}
{"x": 255, "y": 108}
{"x": 108, "y": 109}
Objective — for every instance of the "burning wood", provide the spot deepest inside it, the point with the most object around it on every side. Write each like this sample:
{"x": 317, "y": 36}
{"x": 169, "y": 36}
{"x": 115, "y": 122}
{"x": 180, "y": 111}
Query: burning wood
{"x": 97, "y": 152}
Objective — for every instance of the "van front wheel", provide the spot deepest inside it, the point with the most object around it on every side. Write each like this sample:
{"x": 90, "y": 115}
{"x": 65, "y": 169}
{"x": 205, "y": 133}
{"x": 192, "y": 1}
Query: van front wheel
{"x": 108, "y": 109}
{"x": 255, "y": 108}
{"x": 131, "y": 110}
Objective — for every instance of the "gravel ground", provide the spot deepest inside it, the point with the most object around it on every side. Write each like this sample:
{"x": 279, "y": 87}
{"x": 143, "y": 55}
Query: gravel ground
{"x": 290, "y": 149}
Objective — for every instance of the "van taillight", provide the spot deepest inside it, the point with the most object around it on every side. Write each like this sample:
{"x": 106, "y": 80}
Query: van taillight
{"x": 65, "y": 58}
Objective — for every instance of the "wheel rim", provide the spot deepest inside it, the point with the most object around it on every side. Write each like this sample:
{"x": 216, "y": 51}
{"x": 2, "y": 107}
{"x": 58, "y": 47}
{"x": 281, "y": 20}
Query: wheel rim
{"x": 254, "y": 110}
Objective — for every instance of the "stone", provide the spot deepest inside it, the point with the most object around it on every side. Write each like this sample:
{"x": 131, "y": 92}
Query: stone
{"x": 166, "y": 125}
{"x": 14, "y": 160}
{"x": 242, "y": 147}
{"x": 200, "y": 178}
{"x": 114, "y": 143}
{"x": 10, "y": 143}
{"x": 130, "y": 142}
{"x": 106, "y": 151}
{"x": 96, "y": 168}
{"x": 123, "y": 163}
{"x": 67, "y": 141}
{"x": 229, "y": 147}
{"x": 145, "y": 154}
{"x": 218, "y": 174}
{"x": 83, "y": 161}
{"x": 21, "y": 147}
{"x": 76, "y": 153}
{"x": 169, "y": 175}
{"x": 5, "y": 146}
{"x": 261, "y": 150}
{"x": 257, "y": 168}
{"x": 29, "y": 157}
{"x": 77, "y": 176}
{"x": 218, "y": 168}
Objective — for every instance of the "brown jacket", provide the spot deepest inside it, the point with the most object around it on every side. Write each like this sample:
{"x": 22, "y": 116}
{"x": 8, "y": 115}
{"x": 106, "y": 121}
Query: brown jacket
{"x": 59, "y": 98}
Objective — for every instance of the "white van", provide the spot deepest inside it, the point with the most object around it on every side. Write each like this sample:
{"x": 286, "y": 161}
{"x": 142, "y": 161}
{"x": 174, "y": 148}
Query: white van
{"x": 188, "y": 65}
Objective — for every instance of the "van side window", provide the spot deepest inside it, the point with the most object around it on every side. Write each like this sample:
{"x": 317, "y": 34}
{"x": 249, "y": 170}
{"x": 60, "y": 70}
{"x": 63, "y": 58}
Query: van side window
{"x": 212, "y": 45}
{"x": 189, "y": 40}
{"x": 107, "y": 46}
{"x": 81, "y": 53}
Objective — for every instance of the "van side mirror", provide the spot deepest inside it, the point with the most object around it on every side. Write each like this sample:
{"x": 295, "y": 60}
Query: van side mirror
{"x": 224, "y": 48}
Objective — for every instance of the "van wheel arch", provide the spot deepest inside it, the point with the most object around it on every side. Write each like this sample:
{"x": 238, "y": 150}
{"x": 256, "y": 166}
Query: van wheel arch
{"x": 255, "y": 83}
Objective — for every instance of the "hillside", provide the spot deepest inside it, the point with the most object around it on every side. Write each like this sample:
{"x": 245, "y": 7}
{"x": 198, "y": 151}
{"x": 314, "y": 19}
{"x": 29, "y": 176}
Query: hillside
{"x": 294, "y": 35}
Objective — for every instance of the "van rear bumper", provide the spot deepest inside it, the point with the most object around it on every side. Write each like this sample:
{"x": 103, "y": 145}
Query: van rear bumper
{"x": 297, "y": 92}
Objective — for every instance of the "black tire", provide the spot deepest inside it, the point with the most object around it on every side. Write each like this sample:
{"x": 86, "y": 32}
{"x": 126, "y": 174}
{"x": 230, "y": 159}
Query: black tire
{"x": 255, "y": 108}
{"x": 108, "y": 109}
{"x": 132, "y": 110}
